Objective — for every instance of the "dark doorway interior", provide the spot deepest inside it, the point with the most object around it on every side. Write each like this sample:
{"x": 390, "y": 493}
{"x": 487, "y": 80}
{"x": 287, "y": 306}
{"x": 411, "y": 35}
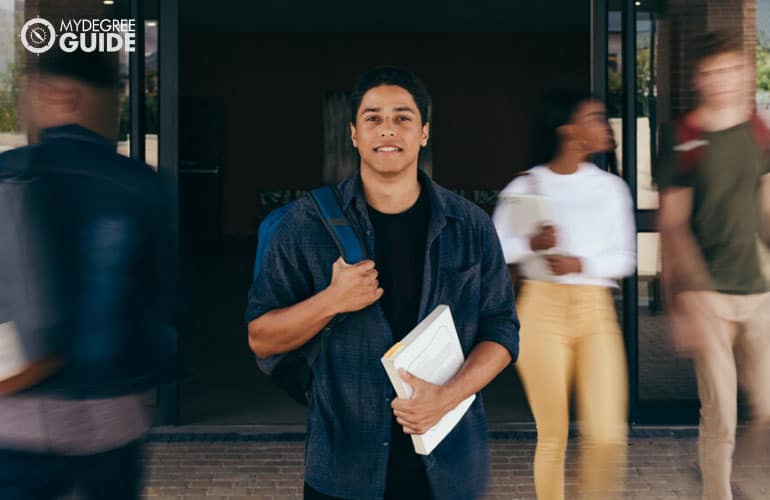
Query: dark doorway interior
{"x": 257, "y": 99}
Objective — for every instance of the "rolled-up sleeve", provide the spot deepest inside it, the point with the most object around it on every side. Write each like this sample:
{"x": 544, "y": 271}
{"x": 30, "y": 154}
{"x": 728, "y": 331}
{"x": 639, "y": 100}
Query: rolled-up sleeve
{"x": 285, "y": 278}
{"x": 497, "y": 321}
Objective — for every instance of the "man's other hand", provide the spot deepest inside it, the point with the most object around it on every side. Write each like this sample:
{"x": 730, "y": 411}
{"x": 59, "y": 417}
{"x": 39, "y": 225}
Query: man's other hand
{"x": 354, "y": 286}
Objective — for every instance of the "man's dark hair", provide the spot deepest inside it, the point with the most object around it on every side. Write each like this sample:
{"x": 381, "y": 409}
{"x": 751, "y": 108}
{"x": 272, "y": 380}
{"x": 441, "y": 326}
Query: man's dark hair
{"x": 98, "y": 69}
{"x": 390, "y": 75}
{"x": 713, "y": 43}
{"x": 556, "y": 109}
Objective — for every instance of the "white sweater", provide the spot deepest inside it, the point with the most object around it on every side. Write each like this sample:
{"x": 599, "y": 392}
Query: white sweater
{"x": 592, "y": 211}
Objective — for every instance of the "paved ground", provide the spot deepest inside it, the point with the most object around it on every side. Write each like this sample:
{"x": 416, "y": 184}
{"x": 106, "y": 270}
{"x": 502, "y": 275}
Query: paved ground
{"x": 659, "y": 468}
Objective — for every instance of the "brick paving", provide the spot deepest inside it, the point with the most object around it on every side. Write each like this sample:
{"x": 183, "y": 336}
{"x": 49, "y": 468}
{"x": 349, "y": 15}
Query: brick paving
{"x": 663, "y": 468}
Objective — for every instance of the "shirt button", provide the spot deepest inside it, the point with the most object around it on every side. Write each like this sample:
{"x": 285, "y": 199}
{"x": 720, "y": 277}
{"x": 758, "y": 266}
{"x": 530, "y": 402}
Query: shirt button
{"x": 386, "y": 444}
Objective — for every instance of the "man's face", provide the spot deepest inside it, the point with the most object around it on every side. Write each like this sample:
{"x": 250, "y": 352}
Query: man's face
{"x": 388, "y": 130}
{"x": 723, "y": 80}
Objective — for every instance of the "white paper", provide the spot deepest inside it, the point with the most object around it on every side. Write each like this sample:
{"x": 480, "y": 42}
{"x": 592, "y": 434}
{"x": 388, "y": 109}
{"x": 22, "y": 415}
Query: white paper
{"x": 525, "y": 213}
{"x": 433, "y": 353}
{"x": 12, "y": 358}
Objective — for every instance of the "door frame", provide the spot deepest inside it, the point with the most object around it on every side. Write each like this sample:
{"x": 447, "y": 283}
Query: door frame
{"x": 168, "y": 167}
{"x": 640, "y": 412}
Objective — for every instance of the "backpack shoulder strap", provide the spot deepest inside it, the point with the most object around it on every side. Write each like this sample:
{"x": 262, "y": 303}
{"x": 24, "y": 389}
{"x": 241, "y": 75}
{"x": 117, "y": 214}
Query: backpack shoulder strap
{"x": 327, "y": 202}
{"x": 688, "y": 144}
{"x": 761, "y": 133}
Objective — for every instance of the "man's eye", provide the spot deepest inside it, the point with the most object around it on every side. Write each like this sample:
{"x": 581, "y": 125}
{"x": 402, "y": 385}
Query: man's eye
{"x": 373, "y": 118}
{"x": 404, "y": 119}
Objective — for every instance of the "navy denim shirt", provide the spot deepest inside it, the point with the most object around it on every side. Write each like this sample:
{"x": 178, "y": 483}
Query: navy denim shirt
{"x": 113, "y": 270}
{"x": 349, "y": 413}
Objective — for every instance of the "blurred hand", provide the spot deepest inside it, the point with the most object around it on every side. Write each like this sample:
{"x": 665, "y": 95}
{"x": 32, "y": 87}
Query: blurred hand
{"x": 429, "y": 402}
{"x": 563, "y": 264}
{"x": 690, "y": 317}
{"x": 544, "y": 239}
{"x": 354, "y": 287}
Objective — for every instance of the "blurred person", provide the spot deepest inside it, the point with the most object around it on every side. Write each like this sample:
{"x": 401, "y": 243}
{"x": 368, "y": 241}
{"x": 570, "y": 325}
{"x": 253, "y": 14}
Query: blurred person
{"x": 570, "y": 333}
{"x": 428, "y": 247}
{"x": 713, "y": 182}
{"x": 81, "y": 429}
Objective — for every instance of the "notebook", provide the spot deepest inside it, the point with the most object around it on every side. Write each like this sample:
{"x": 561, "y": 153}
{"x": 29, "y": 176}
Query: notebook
{"x": 432, "y": 352}
{"x": 12, "y": 358}
{"x": 525, "y": 213}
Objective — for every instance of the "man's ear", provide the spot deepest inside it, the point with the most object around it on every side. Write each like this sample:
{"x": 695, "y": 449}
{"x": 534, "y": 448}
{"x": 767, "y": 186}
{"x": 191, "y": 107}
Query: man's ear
{"x": 425, "y": 135}
{"x": 353, "y": 137}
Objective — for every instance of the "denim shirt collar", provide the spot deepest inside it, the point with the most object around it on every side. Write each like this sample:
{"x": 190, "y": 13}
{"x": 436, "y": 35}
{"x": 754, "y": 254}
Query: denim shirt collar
{"x": 441, "y": 205}
{"x": 72, "y": 132}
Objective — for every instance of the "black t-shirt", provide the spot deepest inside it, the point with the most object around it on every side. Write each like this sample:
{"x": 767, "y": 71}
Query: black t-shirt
{"x": 726, "y": 215}
{"x": 399, "y": 248}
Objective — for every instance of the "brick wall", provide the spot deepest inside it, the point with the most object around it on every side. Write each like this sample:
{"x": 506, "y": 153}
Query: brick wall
{"x": 682, "y": 20}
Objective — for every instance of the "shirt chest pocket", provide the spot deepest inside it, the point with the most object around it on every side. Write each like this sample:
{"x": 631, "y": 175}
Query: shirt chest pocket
{"x": 460, "y": 289}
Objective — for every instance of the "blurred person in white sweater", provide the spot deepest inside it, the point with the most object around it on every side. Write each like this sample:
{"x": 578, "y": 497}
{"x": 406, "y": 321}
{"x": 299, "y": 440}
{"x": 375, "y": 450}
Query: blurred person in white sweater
{"x": 570, "y": 337}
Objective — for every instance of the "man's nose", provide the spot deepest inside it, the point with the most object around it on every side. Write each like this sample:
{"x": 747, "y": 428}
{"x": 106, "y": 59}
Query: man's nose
{"x": 387, "y": 132}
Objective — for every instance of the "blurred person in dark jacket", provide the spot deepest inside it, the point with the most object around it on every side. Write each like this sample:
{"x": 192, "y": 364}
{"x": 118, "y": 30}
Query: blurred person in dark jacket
{"x": 111, "y": 280}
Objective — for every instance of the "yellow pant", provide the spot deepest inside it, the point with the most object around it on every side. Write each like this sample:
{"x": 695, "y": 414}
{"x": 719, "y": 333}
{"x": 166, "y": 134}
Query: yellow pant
{"x": 570, "y": 335}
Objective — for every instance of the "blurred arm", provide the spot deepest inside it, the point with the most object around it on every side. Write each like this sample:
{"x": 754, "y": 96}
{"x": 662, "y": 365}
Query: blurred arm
{"x": 683, "y": 265}
{"x": 619, "y": 260}
{"x": 765, "y": 230}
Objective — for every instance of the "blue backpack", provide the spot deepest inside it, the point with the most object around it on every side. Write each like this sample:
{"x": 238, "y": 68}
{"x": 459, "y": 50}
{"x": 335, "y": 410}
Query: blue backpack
{"x": 292, "y": 371}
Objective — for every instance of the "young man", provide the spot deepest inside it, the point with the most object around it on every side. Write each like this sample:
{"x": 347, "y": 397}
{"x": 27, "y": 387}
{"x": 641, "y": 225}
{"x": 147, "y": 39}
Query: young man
{"x": 83, "y": 428}
{"x": 427, "y": 247}
{"x": 712, "y": 189}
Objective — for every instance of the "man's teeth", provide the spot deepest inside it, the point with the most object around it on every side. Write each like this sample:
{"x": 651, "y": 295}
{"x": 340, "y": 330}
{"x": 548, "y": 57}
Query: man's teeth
{"x": 388, "y": 149}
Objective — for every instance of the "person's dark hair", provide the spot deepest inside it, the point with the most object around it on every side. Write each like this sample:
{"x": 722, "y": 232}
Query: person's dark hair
{"x": 556, "y": 109}
{"x": 390, "y": 75}
{"x": 98, "y": 69}
{"x": 713, "y": 43}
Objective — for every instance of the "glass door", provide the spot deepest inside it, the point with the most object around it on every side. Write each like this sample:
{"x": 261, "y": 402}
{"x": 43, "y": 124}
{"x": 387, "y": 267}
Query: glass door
{"x": 647, "y": 86}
